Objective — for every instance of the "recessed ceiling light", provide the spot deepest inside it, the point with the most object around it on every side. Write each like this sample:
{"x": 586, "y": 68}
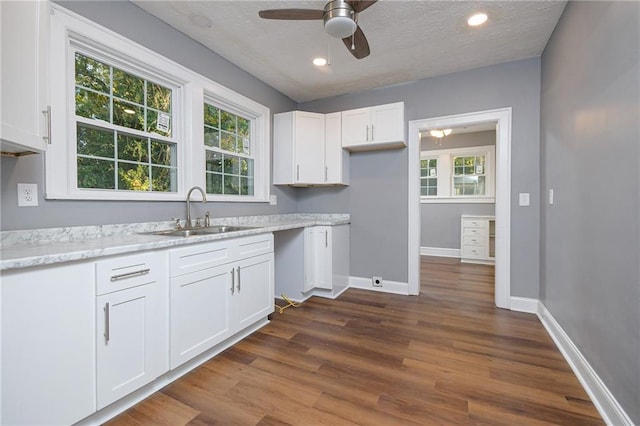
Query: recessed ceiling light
{"x": 319, "y": 62}
{"x": 200, "y": 20}
{"x": 477, "y": 19}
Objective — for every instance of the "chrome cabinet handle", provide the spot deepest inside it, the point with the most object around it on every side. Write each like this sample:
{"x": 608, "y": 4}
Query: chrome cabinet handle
{"x": 47, "y": 112}
{"x": 367, "y": 136}
{"x": 372, "y": 133}
{"x": 238, "y": 279}
{"x": 233, "y": 281}
{"x": 326, "y": 173}
{"x": 107, "y": 331}
{"x": 130, "y": 274}
{"x": 326, "y": 238}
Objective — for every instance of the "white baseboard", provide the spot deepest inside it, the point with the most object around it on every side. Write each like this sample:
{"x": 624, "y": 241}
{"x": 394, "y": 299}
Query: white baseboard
{"x": 395, "y": 287}
{"x": 604, "y": 401}
{"x": 439, "y": 251}
{"x": 524, "y": 304}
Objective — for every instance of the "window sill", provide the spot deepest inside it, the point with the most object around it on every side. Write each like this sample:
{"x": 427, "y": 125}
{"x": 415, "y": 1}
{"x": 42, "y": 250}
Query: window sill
{"x": 458, "y": 200}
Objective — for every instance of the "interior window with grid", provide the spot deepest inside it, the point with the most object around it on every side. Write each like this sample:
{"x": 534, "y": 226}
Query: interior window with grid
{"x": 429, "y": 177}
{"x": 469, "y": 175}
{"x": 229, "y": 159}
{"x": 124, "y": 137}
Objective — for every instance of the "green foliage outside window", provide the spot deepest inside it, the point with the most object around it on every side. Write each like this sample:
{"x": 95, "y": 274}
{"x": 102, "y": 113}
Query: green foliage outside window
{"x": 469, "y": 175}
{"x": 109, "y": 157}
{"x": 229, "y": 167}
{"x": 429, "y": 177}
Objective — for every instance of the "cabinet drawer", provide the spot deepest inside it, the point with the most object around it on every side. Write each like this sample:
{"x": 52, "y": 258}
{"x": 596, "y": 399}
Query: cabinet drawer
{"x": 474, "y": 223}
{"x": 123, "y": 272}
{"x": 474, "y": 252}
{"x": 200, "y": 256}
{"x": 254, "y": 245}
{"x": 473, "y": 240}
{"x": 475, "y": 232}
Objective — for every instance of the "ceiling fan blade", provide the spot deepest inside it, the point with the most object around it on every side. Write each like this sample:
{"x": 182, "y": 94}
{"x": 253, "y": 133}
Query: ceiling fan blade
{"x": 292, "y": 14}
{"x": 360, "y": 5}
{"x": 359, "y": 42}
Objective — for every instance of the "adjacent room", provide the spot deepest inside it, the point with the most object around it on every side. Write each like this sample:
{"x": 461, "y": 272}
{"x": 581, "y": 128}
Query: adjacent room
{"x": 310, "y": 212}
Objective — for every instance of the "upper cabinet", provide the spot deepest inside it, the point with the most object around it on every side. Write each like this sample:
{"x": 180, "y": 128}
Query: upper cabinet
{"x": 307, "y": 149}
{"x": 24, "y": 125}
{"x": 377, "y": 127}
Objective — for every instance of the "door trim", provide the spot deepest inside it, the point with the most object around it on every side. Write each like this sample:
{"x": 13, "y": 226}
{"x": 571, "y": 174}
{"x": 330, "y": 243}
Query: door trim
{"x": 502, "y": 118}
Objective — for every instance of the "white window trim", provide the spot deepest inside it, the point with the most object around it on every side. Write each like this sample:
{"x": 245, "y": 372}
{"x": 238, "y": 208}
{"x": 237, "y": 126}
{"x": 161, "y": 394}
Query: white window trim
{"x": 66, "y": 28}
{"x": 445, "y": 175}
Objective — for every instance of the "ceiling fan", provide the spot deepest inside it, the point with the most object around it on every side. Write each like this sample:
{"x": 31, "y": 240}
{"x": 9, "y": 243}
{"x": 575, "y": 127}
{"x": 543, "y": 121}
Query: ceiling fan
{"x": 340, "y": 20}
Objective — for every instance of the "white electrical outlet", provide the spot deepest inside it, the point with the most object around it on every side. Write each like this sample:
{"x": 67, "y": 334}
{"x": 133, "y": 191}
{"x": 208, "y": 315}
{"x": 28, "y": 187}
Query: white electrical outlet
{"x": 273, "y": 200}
{"x": 27, "y": 194}
{"x": 376, "y": 281}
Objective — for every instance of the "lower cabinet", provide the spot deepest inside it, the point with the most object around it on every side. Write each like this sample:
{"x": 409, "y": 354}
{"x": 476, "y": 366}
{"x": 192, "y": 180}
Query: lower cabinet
{"x": 48, "y": 344}
{"x": 131, "y": 314}
{"x": 219, "y": 289}
{"x": 317, "y": 258}
{"x": 478, "y": 235}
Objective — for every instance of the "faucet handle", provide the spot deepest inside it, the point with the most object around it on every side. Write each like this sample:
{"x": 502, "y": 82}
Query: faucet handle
{"x": 177, "y": 219}
{"x": 207, "y": 219}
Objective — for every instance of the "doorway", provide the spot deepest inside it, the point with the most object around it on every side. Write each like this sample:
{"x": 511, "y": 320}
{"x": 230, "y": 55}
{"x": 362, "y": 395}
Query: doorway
{"x": 502, "y": 118}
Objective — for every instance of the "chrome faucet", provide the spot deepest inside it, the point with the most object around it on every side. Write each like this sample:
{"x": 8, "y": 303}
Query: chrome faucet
{"x": 204, "y": 200}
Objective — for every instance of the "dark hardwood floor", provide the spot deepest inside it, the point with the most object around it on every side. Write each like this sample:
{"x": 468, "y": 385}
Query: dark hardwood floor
{"x": 448, "y": 356}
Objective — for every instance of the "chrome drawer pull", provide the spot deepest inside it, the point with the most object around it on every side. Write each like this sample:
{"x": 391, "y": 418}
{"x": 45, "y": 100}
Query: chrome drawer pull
{"x": 130, "y": 274}
{"x": 107, "y": 331}
{"x": 238, "y": 279}
{"x": 233, "y": 281}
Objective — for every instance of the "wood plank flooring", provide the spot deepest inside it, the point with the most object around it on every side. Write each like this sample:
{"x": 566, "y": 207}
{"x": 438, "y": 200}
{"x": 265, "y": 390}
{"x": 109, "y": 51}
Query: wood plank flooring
{"x": 446, "y": 357}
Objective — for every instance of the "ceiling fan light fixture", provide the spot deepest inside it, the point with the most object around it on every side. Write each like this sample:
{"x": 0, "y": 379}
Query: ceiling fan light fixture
{"x": 440, "y": 133}
{"x": 338, "y": 19}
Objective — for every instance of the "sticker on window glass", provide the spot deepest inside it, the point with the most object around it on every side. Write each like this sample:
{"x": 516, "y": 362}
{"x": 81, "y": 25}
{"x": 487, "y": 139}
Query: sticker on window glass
{"x": 163, "y": 122}
{"x": 479, "y": 169}
{"x": 432, "y": 172}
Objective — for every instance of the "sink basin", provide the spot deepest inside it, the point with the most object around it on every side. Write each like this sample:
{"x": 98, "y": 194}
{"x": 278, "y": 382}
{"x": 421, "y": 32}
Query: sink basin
{"x": 220, "y": 229}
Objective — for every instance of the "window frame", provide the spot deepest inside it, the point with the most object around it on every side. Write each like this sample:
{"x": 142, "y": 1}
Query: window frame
{"x": 69, "y": 32}
{"x": 445, "y": 174}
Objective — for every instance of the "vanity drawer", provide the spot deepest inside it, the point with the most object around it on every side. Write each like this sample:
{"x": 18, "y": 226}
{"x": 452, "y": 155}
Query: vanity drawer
{"x": 475, "y": 223}
{"x": 475, "y": 232}
{"x": 470, "y": 251}
{"x": 474, "y": 240}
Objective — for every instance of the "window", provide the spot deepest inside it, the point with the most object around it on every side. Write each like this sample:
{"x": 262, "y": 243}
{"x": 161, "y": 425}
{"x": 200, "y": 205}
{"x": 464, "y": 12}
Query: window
{"x": 229, "y": 158}
{"x": 133, "y": 125}
{"x": 429, "y": 177}
{"x": 462, "y": 175}
{"x": 123, "y": 130}
{"x": 468, "y": 175}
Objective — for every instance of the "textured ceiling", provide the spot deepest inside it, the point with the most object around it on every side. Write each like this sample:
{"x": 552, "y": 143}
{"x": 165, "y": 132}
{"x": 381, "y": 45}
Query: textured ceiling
{"x": 409, "y": 40}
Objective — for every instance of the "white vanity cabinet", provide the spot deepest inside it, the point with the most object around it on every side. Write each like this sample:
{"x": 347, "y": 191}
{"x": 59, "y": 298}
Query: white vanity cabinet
{"x": 477, "y": 243}
{"x": 372, "y": 128}
{"x": 308, "y": 150}
{"x": 23, "y": 77}
{"x": 48, "y": 344}
{"x": 132, "y": 323}
{"x": 216, "y": 290}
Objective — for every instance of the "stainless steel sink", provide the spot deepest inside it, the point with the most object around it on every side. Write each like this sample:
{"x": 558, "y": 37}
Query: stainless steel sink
{"x": 220, "y": 229}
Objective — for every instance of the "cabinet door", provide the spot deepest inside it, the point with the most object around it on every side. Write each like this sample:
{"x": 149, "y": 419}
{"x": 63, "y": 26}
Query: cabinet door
{"x": 336, "y": 159}
{"x": 23, "y": 41}
{"x": 309, "y": 147}
{"x": 254, "y": 295}
{"x": 132, "y": 340}
{"x": 48, "y": 345}
{"x": 317, "y": 258}
{"x": 387, "y": 123}
{"x": 200, "y": 311}
{"x": 355, "y": 127}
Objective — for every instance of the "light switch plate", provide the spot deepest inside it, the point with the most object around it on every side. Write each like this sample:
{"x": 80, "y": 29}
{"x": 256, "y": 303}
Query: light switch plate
{"x": 27, "y": 194}
{"x": 551, "y": 197}
{"x": 524, "y": 198}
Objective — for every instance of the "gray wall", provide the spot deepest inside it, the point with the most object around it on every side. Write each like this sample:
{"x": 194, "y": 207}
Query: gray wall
{"x": 440, "y": 223}
{"x": 377, "y": 197}
{"x": 590, "y": 148}
{"x": 136, "y": 24}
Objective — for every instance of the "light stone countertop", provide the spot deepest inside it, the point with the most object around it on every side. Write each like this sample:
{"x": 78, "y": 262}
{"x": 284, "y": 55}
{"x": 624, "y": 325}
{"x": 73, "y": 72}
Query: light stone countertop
{"x": 26, "y": 248}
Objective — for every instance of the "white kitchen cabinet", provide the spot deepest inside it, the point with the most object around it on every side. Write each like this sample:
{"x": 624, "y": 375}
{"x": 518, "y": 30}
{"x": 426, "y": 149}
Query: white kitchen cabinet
{"x": 23, "y": 77}
{"x": 317, "y": 257}
{"x": 48, "y": 344}
{"x": 132, "y": 323}
{"x": 217, "y": 290}
{"x": 372, "y": 128}
{"x": 477, "y": 239}
{"x": 308, "y": 150}
{"x": 312, "y": 262}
